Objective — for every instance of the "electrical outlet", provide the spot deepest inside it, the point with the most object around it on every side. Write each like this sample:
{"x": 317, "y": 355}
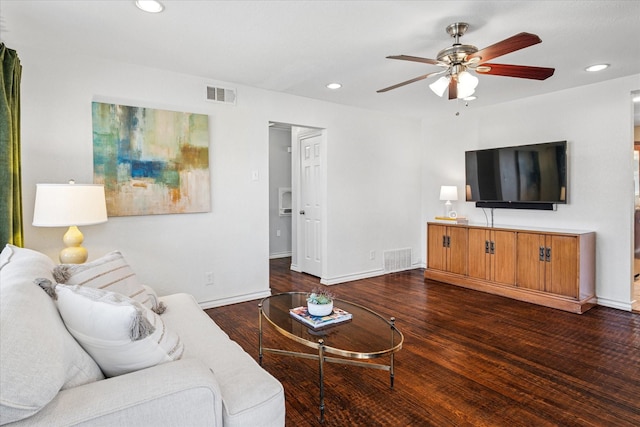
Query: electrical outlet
{"x": 278, "y": 232}
{"x": 372, "y": 255}
{"x": 208, "y": 278}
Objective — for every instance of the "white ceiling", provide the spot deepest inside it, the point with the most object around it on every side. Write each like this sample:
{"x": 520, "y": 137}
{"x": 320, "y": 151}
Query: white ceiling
{"x": 297, "y": 47}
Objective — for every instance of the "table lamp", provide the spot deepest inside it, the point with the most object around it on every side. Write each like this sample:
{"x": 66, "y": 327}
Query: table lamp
{"x": 448, "y": 193}
{"x": 70, "y": 205}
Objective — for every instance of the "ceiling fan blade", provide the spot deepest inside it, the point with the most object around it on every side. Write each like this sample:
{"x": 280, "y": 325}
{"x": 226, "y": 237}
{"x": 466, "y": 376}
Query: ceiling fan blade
{"x": 520, "y": 71}
{"x": 517, "y": 42}
{"x": 406, "y": 83}
{"x": 417, "y": 59}
{"x": 453, "y": 88}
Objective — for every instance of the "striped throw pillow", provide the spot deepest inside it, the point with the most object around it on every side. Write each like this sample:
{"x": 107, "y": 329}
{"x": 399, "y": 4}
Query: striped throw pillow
{"x": 109, "y": 273}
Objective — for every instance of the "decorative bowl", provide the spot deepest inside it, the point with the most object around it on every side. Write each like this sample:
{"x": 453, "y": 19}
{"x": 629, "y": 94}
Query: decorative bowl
{"x": 319, "y": 309}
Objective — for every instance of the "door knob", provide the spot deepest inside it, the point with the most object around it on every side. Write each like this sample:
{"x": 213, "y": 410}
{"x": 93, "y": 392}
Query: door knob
{"x": 302, "y": 212}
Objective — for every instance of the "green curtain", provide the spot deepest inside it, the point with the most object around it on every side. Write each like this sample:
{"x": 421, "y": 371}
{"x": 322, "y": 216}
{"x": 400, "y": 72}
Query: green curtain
{"x": 11, "y": 228}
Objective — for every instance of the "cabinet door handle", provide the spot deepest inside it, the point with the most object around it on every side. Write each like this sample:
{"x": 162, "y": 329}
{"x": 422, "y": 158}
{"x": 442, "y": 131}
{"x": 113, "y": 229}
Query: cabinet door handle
{"x": 486, "y": 246}
{"x": 493, "y": 248}
{"x": 444, "y": 241}
{"x": 448, "y": 241}
{"x": 548, "y": 255}
{"x": 541, "y": 252}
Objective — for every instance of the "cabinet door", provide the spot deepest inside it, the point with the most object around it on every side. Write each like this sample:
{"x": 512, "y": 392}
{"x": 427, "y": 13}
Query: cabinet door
{"x": 502, "y": 250}
{"x": 436, "y": 251}
{"x": 479, "y": 257}
{"x": 562, "y": 270}
{"x": 457, "y": 262}
{"x": 529, "y": 268}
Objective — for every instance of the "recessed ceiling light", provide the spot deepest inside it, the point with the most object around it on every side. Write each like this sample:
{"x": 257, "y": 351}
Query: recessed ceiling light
{"x": 151, "y": 6}
{"x": 596, "y": 67}
{"x": 334, "y": 86}
{"x": 470, "y": 98}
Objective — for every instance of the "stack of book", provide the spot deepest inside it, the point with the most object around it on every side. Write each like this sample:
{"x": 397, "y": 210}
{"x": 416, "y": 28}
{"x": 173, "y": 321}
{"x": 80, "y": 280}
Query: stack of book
{"x": 338, "y": 316}
{"x": 456, "y": 220}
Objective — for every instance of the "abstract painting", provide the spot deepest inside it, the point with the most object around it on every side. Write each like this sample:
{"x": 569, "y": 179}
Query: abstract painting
{"x": 151, "y": 161}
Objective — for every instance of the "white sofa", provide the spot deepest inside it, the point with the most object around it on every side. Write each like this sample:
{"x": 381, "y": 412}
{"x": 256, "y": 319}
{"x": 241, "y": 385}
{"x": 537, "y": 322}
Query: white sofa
{"x": 48, "y": 379}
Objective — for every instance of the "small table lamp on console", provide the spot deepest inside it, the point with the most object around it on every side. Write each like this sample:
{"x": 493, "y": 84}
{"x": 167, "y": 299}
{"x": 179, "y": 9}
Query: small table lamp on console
{"x": 448, "y": 193}
{"x": 70, "y": 205}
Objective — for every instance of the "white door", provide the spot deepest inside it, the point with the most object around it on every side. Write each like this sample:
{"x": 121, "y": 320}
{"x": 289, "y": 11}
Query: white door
{"x": 310, "y": 213}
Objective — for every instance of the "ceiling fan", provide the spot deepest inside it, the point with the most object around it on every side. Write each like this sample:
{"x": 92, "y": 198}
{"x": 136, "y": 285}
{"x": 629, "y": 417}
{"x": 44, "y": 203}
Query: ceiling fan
{"x": 459, "y": 59}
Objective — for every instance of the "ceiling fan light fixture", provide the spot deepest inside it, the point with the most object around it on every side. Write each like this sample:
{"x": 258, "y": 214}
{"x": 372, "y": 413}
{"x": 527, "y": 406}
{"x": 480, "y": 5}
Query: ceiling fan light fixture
{"x": 467, "y": 79}
{"x": 465, "y": 91}
{"x": 151, "y": 6}
{"x": 439, "y": 86}
{"x": 467, "y": 84}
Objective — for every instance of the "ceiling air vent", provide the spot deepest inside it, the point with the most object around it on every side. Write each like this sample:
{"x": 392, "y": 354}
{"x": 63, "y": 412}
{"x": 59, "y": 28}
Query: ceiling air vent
{"x": 221, "y": 94}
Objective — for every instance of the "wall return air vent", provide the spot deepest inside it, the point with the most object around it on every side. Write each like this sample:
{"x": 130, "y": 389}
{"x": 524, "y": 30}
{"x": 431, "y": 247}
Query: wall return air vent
{"x": 397, "y": 260}
{"x": 221, "y": 94}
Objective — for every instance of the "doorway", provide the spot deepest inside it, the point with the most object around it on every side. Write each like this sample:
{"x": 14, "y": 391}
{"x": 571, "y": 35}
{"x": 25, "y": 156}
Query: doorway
{"x": 297, "y": 230}
{"x": 280, "y": 206}
{"x": 635, "y": 297}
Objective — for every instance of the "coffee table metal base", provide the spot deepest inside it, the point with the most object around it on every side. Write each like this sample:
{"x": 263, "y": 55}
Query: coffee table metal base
{"x": 321, "y": 358}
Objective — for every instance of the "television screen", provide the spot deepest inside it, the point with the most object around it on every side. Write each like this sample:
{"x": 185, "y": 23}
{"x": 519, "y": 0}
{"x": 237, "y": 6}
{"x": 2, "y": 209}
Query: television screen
{"x": 527, "y": 173}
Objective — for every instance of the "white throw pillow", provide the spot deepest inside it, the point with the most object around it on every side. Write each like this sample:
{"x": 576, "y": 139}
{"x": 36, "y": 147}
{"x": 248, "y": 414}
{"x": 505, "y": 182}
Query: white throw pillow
{"x": 111, "y": 273}
{"x": 38, "y": 356}
{"x": 119, "y": 333}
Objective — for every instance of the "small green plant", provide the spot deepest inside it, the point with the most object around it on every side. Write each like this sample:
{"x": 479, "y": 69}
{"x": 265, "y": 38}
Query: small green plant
{"x": 320, "y": 296}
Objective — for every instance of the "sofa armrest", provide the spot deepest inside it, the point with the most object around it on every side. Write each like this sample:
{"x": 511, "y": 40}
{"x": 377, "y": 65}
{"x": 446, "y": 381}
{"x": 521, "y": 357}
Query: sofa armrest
{"x": 183, "y": 392}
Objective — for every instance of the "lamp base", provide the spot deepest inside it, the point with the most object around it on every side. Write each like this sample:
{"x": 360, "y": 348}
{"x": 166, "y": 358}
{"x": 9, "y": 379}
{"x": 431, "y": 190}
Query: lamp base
{"x": 447, "y": 208}
{"x": 74, "y": 253}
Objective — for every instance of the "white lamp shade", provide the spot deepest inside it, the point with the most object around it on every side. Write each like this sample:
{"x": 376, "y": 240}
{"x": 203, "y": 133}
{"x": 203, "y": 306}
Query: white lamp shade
{"x": 448, "y": 192}
{"x": 467, "y": 84}
{"x": 63, "y": 205}
{"x": 465, "y": 78}
{"x": 440, "y": 85}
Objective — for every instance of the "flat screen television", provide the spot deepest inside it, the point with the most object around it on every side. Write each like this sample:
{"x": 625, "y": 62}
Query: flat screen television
{"x": 527, "y": 176}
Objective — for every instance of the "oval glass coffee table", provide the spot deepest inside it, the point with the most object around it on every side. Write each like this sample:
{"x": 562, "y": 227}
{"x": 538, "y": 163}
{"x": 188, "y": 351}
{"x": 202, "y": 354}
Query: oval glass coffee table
{"x": 367, "y": 335}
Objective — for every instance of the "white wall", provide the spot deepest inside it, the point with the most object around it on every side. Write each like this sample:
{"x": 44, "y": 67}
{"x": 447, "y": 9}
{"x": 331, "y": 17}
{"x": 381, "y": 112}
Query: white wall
{"x": 373, "y": 164}
{"x": 597, "y": 122}
{"x": 383, "y": 173}
{"x": 374, "y": 197}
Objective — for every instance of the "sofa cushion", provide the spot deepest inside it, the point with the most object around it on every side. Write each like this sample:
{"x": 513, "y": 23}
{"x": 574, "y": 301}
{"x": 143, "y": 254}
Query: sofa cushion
{"x": 112, "y": 273}
{"x": 250, "y": 395}
{"x": 38, "y": 355}
{"x": 118, "y": 332}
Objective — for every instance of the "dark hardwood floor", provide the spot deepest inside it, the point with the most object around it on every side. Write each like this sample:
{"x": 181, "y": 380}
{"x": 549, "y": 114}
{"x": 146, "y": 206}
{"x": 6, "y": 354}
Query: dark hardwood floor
{"x": 469, "y": 359}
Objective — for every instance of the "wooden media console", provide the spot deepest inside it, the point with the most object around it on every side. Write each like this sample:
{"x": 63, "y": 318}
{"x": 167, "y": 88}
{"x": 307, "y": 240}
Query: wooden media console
{"x": 554, "y": 268}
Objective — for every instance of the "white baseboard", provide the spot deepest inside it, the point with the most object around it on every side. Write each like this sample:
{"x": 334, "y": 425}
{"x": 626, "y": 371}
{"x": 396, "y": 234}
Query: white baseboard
{"x": 234, "y": 299}
{"x": 351, "y": 277}
{"x": 626, "y": 306}
{"x": 280, "y": 255}
{"x": 362, "y": 275}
